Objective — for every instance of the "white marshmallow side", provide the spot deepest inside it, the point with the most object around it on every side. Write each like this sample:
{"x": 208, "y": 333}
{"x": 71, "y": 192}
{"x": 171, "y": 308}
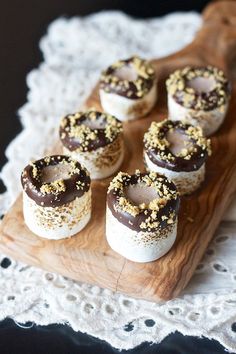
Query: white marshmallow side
{"x": 138, "y": 246}
{"x": 103, "y": 162}
{"x": 58, "y": 222}
{"x": 128, "y": 109}
{"x": 186, "y": 182}
{"x": 209, "y": 121}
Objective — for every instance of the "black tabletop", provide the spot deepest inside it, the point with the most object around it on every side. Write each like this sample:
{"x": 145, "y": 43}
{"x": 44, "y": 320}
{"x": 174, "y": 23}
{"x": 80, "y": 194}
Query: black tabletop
{"x": 60, "y": 339}
{"x": 22, "y": 23}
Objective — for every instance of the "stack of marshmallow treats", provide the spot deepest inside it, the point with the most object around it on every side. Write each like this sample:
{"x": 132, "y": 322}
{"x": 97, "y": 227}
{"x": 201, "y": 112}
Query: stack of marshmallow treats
{"x": 142, "y": 208}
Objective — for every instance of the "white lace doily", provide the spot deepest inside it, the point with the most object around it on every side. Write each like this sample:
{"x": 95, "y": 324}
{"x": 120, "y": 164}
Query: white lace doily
{"x": 75, "y": 50}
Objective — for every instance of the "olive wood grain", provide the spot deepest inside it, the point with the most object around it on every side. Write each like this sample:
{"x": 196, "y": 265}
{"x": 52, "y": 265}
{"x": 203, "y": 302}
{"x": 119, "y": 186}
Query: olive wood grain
{"x": 87, "y": 256}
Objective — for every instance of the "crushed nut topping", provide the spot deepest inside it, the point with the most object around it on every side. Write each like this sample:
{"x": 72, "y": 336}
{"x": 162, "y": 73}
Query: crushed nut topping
{"x": 163, "y": 190}
{"x": 54, "y": 187}
{"x": 177, "y": 86}
{"x": 156, "y": 139}
{"x": 131, "y": 88}
{"x": 75, "y": 128}
{"x": 55, "y": 180}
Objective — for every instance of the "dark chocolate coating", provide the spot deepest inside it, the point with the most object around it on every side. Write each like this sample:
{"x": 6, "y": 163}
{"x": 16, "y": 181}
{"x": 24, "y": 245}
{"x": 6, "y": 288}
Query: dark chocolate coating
{"x": 73, "y": 144}
{"x": 32, "y": 185}
{"x": 122, "y": 90}
{"x": 134, "y": 222}
{"x": 209, "y": 99}
{"x": 179, "y": 164}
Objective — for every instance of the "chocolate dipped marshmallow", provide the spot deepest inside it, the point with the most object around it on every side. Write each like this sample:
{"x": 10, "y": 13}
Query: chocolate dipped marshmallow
{"x": 94, "y": 139}
{"x": 128, "y": 88}
{"x": 178, "y": 151}
{"x": 56, "y": 197}
{"x": 142, "y": 214}
{"x": 198, "y": 96}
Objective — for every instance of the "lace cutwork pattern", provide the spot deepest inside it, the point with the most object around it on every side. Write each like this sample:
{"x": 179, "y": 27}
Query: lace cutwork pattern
{"x": 75, "y": 51}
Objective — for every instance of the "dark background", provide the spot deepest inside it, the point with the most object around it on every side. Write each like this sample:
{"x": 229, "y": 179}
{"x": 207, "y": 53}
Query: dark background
{"x": 22, "y": 24}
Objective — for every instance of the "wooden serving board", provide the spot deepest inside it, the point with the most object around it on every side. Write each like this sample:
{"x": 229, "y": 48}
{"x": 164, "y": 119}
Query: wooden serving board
{"x": 87, "y": 256}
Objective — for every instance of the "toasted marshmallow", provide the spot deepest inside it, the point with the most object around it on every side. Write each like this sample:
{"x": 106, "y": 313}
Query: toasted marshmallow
{"x": 95, "y": 139}
{"x": 198, "y": 96}
{"x": 128, "y": 89}
{"x": 142, "y": 216}
{"x": 178, "y": 151}
{"x": 56, "y": 197}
